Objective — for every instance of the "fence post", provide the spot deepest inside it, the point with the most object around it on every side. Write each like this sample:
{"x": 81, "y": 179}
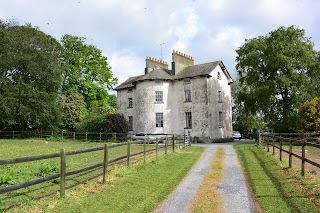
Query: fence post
{"x": 303, "y": 157}
{"x": 128, "y": 153}
{"x": 290, "y": 152}
{"x": 74, "y": 135}
{"x": 173, "y": 142}
{"x": 166, "y": 145}
{"x": 144, "y": 150}
{"x": 273, "y": 140}
{"x": 13, "y": 134}
{"x": 105, "y": 163}
{"x": 115, "y": 137}
{"x": 156, "y": 148}
{"x": 62, "y": 134}
{"x": 268, "y": 141}
{"x": 281, "y": 149}
{"x": 100, "y": 137}
{"x": 52, "y": 133}
{"x": 179, "y": 141}
{"x": 86, "y": 136}
{"x": 62, "y": 173}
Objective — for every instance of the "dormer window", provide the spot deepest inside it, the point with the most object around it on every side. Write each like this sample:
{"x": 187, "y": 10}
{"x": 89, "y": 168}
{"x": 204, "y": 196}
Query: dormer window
{"x": 187, "y": 81}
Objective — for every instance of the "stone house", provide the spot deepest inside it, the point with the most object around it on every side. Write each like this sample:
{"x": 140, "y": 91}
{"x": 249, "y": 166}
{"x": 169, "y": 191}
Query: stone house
{"x": 188, "y": 99}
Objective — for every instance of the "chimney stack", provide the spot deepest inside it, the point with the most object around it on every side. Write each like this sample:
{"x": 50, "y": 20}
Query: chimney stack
{"x": 152, "y": 63}
{"x": 180, "y": 61}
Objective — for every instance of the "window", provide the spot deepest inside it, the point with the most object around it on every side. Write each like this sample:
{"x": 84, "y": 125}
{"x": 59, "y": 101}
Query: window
{"x": 219, "y": 76}
{"x": 219, "y": 96}
{"x": 158, "y": 82}
{"x": 129, "y": 90}
{"x": 188, "y": 120}
{"x": 130, "y": 103}
{"x": 187, "y": 95}
{"x": 159, "y": 96}
{"x": 220, "y": 119}
{"x": 130, "y": 123}
{"x": 187, "y": 81}
{"x": 159, "y": 119}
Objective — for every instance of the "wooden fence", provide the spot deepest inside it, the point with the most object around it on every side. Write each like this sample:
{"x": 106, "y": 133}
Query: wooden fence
{"x": 85, "y": 136}
{"x": 277, "y": 140}
{"x": 168, "y": 140}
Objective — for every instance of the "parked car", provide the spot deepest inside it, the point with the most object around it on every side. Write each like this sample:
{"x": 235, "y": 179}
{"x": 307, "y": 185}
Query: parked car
{"x": 236, "y": 135}
{"x": 142, "y": 136}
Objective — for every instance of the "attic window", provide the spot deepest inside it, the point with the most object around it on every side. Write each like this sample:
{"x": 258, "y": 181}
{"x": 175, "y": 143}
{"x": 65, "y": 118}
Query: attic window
{"x": 219, "y": 76}
{"x": 129, "y": 90}
{"x": 187, "y": 81}
{"x": 158, "y": 82}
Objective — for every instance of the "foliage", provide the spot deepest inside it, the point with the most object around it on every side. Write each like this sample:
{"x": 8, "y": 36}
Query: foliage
{"x": 242, "y": 120}
{"x": 309, "y": 116}
{"x": 86, "y": 72}
{"x": 115, "y": 123}
{"x": 72, "y": 108}
{"x": 274, "y": 73}
{"x": 30, "y": 77}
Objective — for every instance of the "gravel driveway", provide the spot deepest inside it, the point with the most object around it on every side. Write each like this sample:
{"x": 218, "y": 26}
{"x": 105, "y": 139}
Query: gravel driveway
{"x": 233, "y": 190}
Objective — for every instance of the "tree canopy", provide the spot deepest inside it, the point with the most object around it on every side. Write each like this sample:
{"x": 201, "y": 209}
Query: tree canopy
{"x": 275, "y": 72}
{"x": 30, "y": 77}
{"x": 309, "y": 116}
{"x": 86, "y": 72}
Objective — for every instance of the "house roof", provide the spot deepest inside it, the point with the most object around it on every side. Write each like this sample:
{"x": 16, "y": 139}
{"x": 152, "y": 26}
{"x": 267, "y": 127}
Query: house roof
{"x": 197, "y": 70}
{"x": 128, "y": 83}
{"x": 188, "y": 72}
{"x": 157, "y": 74}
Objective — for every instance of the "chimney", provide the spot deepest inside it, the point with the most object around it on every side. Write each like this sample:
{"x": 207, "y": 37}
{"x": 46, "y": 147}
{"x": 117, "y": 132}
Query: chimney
{"x": 152, "y": 63}
{"x": 180, "y": 61}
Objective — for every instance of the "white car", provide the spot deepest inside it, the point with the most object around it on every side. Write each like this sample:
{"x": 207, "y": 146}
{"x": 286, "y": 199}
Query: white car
{"x": 236, "y": 135}
{"x": 143, "y": 135}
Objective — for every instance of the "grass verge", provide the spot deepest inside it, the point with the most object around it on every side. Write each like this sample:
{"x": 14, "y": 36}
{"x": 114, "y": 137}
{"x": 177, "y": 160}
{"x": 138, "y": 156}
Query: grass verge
{"x": 207, "y": 198}
{"x": 276, "y": 188}
{"x": 138, "y": 189}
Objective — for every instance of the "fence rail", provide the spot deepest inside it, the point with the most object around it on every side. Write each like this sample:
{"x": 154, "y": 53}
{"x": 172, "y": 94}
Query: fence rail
{"x": 167, "y": 142}
{"x": 277, "y": 140}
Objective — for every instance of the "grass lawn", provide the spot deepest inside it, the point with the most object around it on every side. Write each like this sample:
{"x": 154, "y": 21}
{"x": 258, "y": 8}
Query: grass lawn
{"x": 146, "y": 184}
{"x": 17, "y": 173}
{"x": 275, "y": 187}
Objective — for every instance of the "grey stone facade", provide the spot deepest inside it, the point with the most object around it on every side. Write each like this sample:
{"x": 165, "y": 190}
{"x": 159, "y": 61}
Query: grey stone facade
{"x": 189, "y": 98}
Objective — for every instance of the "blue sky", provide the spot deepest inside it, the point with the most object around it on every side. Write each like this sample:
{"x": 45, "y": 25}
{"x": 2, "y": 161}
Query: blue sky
{"x": 127, "y": 31}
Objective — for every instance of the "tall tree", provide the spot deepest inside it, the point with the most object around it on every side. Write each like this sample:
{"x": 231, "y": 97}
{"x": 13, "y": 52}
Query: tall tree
{"x": 86, "y": 72}
{"x": 275, "y": 72}
{"x": 30, "y": 77}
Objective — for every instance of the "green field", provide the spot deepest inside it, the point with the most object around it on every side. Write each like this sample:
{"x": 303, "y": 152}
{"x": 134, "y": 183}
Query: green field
{"x": 275, "y": 187}
{"x": 21, "y": 172}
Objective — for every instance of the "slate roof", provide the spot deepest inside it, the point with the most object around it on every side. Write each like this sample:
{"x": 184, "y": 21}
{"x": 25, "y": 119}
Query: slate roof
{"x": 188, "y": 72}
{"x": 197, "y": 70}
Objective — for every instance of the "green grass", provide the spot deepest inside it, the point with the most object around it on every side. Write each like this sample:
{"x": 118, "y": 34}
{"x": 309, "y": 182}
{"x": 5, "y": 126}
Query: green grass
{"x": 275, "y": 187}
{"x": 138, "y": 189}
{"x": 17, "y": 173}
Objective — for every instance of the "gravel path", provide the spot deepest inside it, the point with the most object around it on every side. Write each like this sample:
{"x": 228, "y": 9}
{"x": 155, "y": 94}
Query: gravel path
{"x": 232, "y": 189}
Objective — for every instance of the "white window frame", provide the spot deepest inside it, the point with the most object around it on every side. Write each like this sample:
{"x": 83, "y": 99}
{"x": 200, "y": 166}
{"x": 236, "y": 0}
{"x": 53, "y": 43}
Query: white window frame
{"x": 159, "y": 96}
{"x": 188, "y": 120}
{"x": 159, "y": 119}
{"x": 187, "y": 95}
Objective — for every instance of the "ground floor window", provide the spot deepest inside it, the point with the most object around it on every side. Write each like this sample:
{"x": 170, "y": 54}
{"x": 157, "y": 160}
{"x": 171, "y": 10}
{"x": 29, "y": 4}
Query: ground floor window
{"x": 188, "y": 120}
{"x": 130, "y": 123}
{"x": 159, "y": 119}
{"x": 220, "y": 119}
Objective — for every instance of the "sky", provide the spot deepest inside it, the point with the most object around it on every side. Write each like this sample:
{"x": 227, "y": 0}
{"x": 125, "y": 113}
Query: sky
{"x": 127, "y": 31}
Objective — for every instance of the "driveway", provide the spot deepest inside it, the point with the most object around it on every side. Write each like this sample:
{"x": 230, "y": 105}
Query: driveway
{"x": 233, "y": 189}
